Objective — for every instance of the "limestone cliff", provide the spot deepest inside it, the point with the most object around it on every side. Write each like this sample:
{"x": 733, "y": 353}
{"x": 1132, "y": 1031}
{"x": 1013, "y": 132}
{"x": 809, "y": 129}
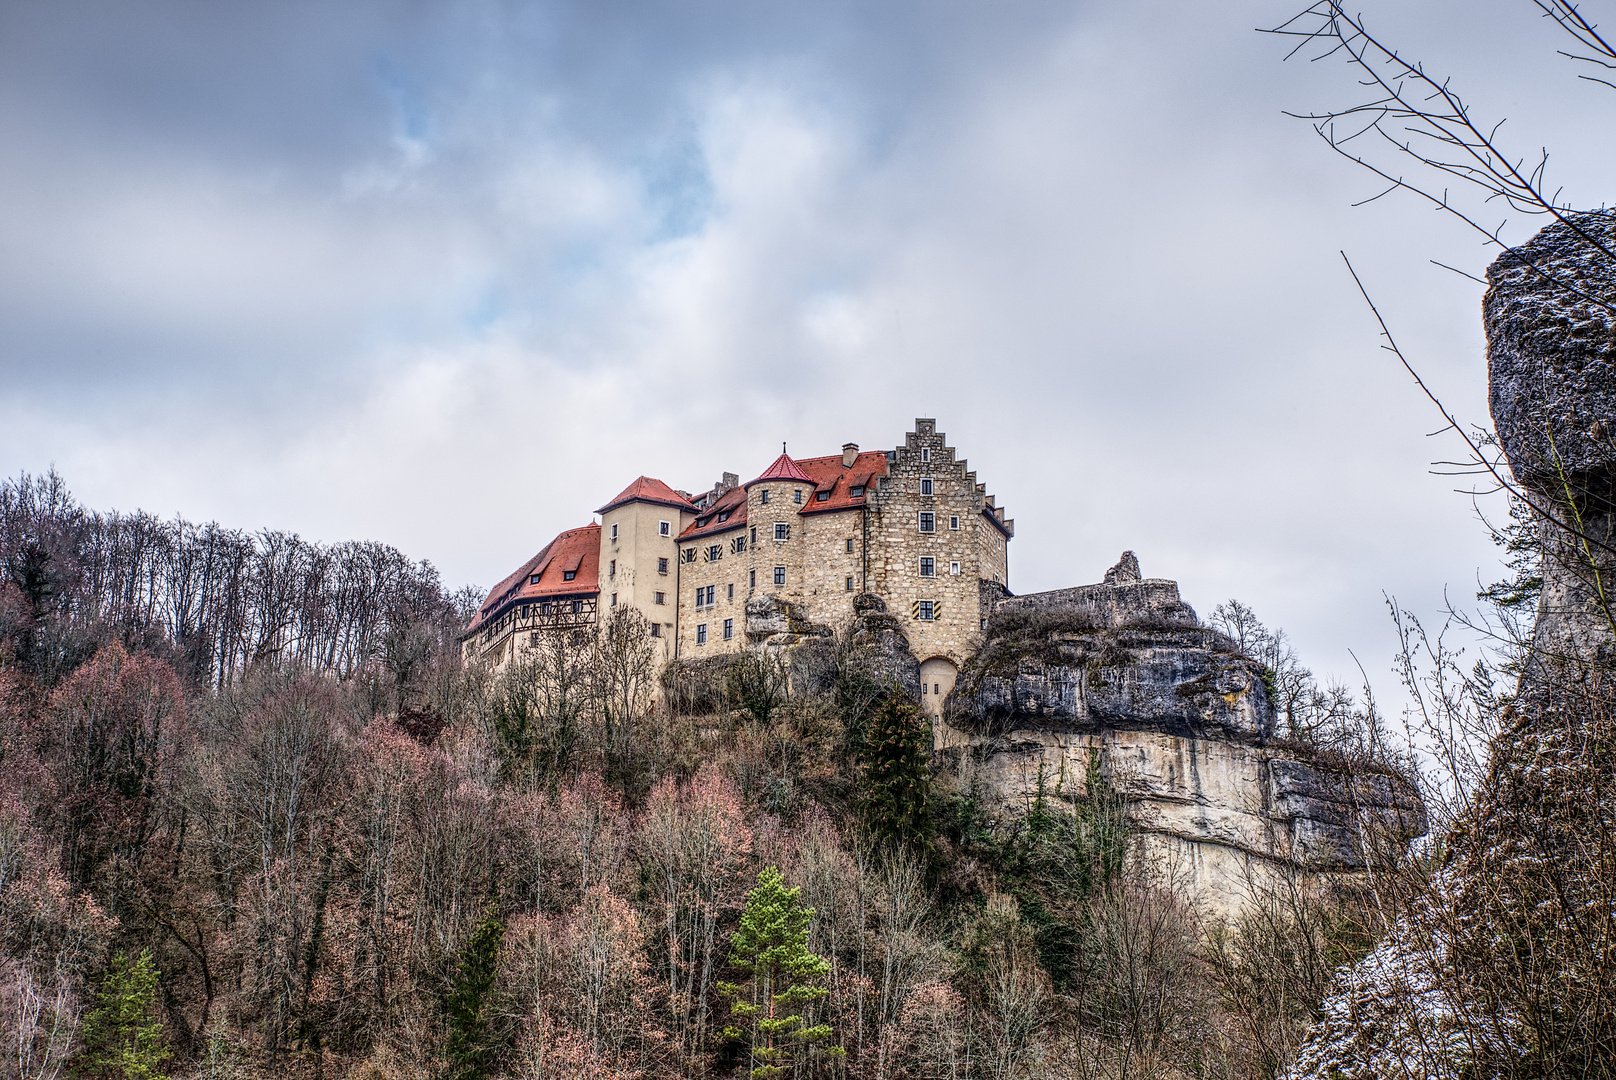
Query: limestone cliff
{"x": 1184, "y": 728}
{"x": 1501, "y": 967}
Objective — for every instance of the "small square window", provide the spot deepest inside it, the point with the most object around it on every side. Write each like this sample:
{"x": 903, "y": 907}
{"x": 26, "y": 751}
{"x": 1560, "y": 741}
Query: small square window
{"x": 796, "y": 496}
{"x": 664, "y": 528}
{"x": 925, "y": 487}
{"x": 715, "y": 552}
{"x": 661, "y": 598}
{"x": 953, "y": 568}
{"x": 928, "y": 566}
{"x": 656, "y": 629}
{"x": 662, "y": 566}
{"x": 568, "y": 575}
{"x": 729, "y": 629}
{"x": 701, "y": 633}
{"x": 614, "y": 530}
{"x": 849, "y": 582}
{"x": 723, "y": 517}
{"x": 953, "y": 521}
{"x": 857, "y": 491}
{"x": 821, "y": 496}
{"x": 690, "y": 555}
{"x": 764, "y": 496}
{"x": 782, "y": 531}
{"x": 534, "y": 580}
{"x": 779, "y": 575}
{"x": 927, "y": 521}
{"x": 925, "y": 610}
{"x": 850, "y": 547}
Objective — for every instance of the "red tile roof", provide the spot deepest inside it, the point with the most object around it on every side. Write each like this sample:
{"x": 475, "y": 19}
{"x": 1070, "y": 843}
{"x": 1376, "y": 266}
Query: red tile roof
{"x": 731, "y": 507}
{"x": 827, "y": 474}
{"x": 782, "y": 469}
{"x": 544, "y": 575}
{"x": 651, "y": 490}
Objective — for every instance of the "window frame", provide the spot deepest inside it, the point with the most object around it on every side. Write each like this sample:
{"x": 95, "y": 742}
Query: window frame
{"x": 664, "y": 528}
{"x": 763, "y": 497}
{"x": 926, "y": 487}
{"x": 928, "y": 566}
{"x": 701, "y": 633}
{"x": 782, "y": 531}
{"x": 614, "y": 532}
{"x": 662, "y": 566}
{"x": 729, "y": 629}
{"x": 569, "y": 575}
{"x": 779, "y": 575}
{"x": 953, "y": 522}
{"x": 660, "y": 598}
{"x": 926, "y": 522}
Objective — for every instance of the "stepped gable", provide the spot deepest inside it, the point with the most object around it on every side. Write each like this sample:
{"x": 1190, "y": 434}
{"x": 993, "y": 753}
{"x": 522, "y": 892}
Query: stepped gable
{"x": 649, "y": 489}
{"x": 576, "y": 551}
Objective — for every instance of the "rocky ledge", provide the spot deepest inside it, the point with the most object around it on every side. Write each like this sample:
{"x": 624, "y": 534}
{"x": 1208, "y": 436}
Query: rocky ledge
{"x": 1183, "y": 726}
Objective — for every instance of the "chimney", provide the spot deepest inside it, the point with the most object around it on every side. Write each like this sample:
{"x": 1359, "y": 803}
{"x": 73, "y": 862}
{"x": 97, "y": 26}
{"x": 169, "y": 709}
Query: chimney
{"x": 729, "y": 481}
{"x": 849, "y": 454}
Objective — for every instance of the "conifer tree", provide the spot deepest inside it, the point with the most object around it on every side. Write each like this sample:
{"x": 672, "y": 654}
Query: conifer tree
{"x": 123, "y": 1035}
{"x": 471, "y": 1050}
{"x": 898, "y": 772}
{"x": 770, "y": 948}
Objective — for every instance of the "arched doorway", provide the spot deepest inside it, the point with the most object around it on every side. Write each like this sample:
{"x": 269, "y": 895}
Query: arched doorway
{"x": 937, "y": 677}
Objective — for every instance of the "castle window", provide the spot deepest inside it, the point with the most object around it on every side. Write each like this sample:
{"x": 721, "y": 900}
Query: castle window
{"x": 850, "y": 546}
{"x": 544, "y": 609}
{"x": 730, "y": 591}
{"x": 925, "y": 487}
{"x": 568, "y": 575}
{"x": 715, "y": 552}
{"x": 577, "y": 607}
{"x": 711, "y": 591}
{"x": 849, "y": 582}
{"x": 738, "y": 545}
{"x": 613, "y": 571}
{"x": 662, "y": 566}
{"x": 751, "y": 579}
{"x": 925, "y": 453}
{"x": 821, "y": 496}
{"x": 953, "y": 521}
{"x": 984, "y": 624}
{"x": 701, "y": 633}
{"x": 927, "y": 521}
{"x": 664, "y": 528}
{"x": 656, "y": 629}
{"x": 764, "y": 497}
{"x": 782, "y": 531}
{"x": 661, "y": 598}
{"x": 754, "y": 535}
{"x": 925, "y": 610}
{"x": 729, "y": 629}
{"x": 534, "y": 580}
{"x": 779, "y": 575}
{"x": 796, "y": 496}
{"x": 953, "y": 568}
{"x": 928, "y": 566}
{"x": 690, "y": 555}
{"x": 614, "y": 600}
{"x": 614, "y": 532}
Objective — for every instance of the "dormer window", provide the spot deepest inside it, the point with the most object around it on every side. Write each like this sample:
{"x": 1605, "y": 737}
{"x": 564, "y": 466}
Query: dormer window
{"x": 534, "y": 580}
{"x": 723, "y": 517}
{"x": 857, "y": 491}
{"x": 821, "y": 496}
{"x": 568, "y": 575}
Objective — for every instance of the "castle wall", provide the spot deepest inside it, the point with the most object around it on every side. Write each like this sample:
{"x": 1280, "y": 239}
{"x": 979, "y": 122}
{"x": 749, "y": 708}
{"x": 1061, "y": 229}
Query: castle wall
{"x": 726, "y": 574}
{"x": 629, "y": 569}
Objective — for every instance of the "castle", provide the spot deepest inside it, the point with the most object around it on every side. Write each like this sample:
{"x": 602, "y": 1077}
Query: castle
{"x": 741, "y": 563}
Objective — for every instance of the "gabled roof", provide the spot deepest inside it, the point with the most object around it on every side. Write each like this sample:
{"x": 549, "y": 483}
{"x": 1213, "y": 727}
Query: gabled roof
{"x": 649, "y": 489}
{"x": 576, "y": 551}
{"x": 782, "y": 469}
{"x": 730, "y": 507}
{"x": 828, "y": 475}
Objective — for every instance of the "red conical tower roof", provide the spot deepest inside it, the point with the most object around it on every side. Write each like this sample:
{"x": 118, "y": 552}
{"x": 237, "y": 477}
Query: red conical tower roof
{"x": 782, "y": 469}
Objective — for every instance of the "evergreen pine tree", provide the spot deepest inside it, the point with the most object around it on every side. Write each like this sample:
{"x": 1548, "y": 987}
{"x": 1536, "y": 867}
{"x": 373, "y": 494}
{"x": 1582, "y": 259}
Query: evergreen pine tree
{"x": 770, "y": 948}
{"x": 471, "y": 1049}
{"x": 898, "y": 771}
{"x": 123, "y": 1035}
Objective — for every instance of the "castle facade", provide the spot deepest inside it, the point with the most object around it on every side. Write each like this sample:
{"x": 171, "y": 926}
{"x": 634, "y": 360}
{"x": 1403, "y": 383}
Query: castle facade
{"x": 741, "y": 564}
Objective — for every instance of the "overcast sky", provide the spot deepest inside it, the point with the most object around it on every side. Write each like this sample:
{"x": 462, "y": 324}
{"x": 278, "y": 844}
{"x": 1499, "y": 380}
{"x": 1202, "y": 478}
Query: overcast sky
{"x": 450, "y": 275}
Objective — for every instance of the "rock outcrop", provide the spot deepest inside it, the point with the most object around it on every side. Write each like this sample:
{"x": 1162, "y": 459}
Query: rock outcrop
{"x": 1501, "y": 967}
{"x": 1184, "y": 727}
